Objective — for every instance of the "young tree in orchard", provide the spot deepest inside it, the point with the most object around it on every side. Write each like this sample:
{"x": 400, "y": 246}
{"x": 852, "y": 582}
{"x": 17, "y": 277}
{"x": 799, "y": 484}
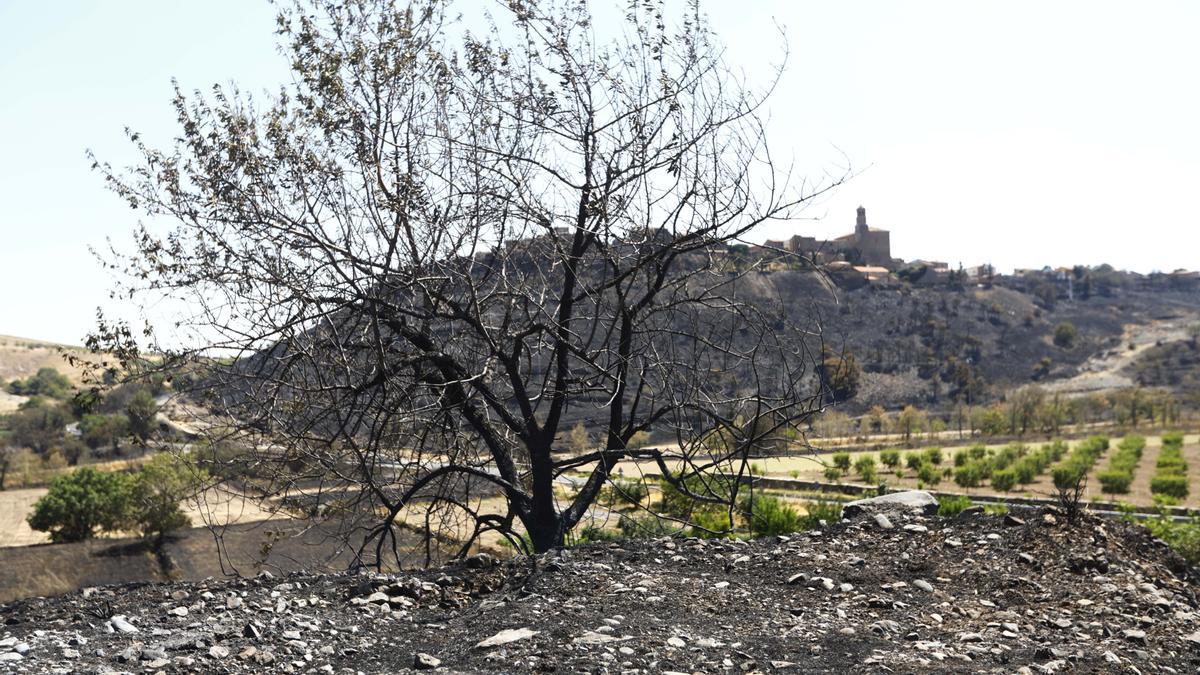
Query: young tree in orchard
{"x": 413, "y": 270}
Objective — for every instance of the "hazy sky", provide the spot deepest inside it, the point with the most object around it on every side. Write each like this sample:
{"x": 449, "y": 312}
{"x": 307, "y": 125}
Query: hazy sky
{"x": 1016, "y": 133}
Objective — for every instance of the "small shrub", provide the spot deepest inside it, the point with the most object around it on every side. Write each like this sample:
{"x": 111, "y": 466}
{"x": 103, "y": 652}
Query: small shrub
{"x": 914, "y": 460}
{"x": 952, "y": 505}
{"x": 646, "y": 526}
{"x": 711, "y": 522}
{"x": 1170, "y": 476}
{"x": 961, "y": 457}
{"x": 934, "y": 455}
{"x": 1165, "y": 500}
{"x": 995, "y": 509}
{"x": 1065, "y": 334}
{"x": 1065, "y": 477}
{"x": 625, "y": 491}
{"x": 1004, "y": 480}
{"x": 968, "y": 475}
{"x": 1115, "y": 482}
{"x": 770, "y": 516}
{"x": 821, "y": 510}
{"x": 832, "y": 473}
{"x": 640, "y": 439}
{"x": 842, "y": 461}
{"x": 1172, "y": 486}
{"x": 865, "y": 466}
{"x": 1025, "y": 471}
{"x": 890, "y": 458}
{"x": 929, "y": 475}
{"x": 1182, "y": 536}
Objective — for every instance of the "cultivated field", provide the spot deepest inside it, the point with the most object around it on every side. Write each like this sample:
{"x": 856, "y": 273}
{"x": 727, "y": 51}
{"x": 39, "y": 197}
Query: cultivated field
{"x": 812, "y": 468}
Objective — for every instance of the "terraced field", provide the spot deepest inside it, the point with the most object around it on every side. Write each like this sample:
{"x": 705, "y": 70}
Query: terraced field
{"x": 813, "y": 468}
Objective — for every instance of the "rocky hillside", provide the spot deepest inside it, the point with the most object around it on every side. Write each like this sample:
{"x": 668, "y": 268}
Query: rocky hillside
{"x": 926, "y": 345}
{"x": 888, "y": 590}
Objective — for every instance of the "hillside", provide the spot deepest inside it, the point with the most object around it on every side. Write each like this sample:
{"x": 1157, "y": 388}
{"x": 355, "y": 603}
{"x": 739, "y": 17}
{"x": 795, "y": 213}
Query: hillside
{"x": 927, "y": 344}
{"x": 904, "y": 593}
{"x": 22, "y": 357}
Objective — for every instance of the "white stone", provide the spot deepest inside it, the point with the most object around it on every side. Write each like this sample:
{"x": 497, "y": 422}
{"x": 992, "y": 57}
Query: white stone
{"x": 506, "y": 636}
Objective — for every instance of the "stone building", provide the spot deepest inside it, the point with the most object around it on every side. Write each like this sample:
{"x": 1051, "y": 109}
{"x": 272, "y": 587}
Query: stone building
{"x": 865, "y": 246}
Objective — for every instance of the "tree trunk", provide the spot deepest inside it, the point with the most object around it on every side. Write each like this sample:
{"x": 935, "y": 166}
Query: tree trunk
{"x": 545, "y": 532}
{"x": 544, "y": 523}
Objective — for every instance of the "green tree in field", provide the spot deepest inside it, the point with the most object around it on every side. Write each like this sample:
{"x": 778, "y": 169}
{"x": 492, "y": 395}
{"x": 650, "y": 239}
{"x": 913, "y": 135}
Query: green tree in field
{"x": 877, "y": 417}
{"x": 47, "y": 382}
{"x": 1004, "y": 479}
{"x": 38, "y": 425}
{"x": 890, "y": 458}
{"x": 158, "y": 488}
{"x": 101, "y": 430}
{"x": 841, "y": 460}
{"x": 82, "y": 503}
{"x": 839, "y": 374}
{"x": 1065, "y": 335}
{"x": 1023, "y": 407}
{"x": 933, "y": 455}
{"x": 865, "y": 466}
{"x": 910, "y": 421}
{"x": 142, "y": 412}
{"x": 991, "y": 421}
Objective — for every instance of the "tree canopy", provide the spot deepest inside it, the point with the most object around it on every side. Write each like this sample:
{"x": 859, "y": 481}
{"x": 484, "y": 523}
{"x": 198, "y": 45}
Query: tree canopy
{"x": 415, "y": 268}
{"x": 81, "y": 503}
{"x": 46, "y": 382}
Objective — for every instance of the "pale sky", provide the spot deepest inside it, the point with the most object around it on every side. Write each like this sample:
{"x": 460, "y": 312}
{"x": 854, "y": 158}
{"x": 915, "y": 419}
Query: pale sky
{"x": 1017, "y": 133}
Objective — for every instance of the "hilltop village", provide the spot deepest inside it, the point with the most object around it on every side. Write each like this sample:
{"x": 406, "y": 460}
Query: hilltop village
{"x": 864, "y": 258}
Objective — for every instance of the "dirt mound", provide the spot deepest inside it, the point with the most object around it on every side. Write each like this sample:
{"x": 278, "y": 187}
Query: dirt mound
{"x": 905, "y": 593}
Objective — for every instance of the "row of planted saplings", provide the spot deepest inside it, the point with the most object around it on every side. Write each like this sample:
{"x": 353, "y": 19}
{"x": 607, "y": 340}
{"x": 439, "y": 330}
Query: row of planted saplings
{"x": 1005, "y": 468}
{"x": 1170, "y": 482}
{"x": 1117, "y": 478}
{"x": 1071, "y": 472}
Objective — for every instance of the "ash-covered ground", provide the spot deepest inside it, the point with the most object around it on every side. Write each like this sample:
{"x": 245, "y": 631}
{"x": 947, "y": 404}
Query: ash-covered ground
{"x": 890, "y": 590}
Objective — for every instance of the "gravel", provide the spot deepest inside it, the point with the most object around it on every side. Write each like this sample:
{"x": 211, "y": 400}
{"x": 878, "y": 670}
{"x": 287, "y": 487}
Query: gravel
{"x": 946, "y": 596}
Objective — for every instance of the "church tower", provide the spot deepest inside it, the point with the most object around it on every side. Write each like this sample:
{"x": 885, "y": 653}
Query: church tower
{"x": 860, "y": 227}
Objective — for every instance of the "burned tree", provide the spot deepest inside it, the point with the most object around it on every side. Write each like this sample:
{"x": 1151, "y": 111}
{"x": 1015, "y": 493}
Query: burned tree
{"x": 406, "y": 278}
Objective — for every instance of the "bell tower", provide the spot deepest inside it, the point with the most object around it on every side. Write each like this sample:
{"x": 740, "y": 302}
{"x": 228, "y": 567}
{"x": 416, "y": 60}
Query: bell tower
{"x": 860, "y": 225}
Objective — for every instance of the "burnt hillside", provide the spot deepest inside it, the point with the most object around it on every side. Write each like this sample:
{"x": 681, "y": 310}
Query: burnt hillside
{"x": 929, "y": 345}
